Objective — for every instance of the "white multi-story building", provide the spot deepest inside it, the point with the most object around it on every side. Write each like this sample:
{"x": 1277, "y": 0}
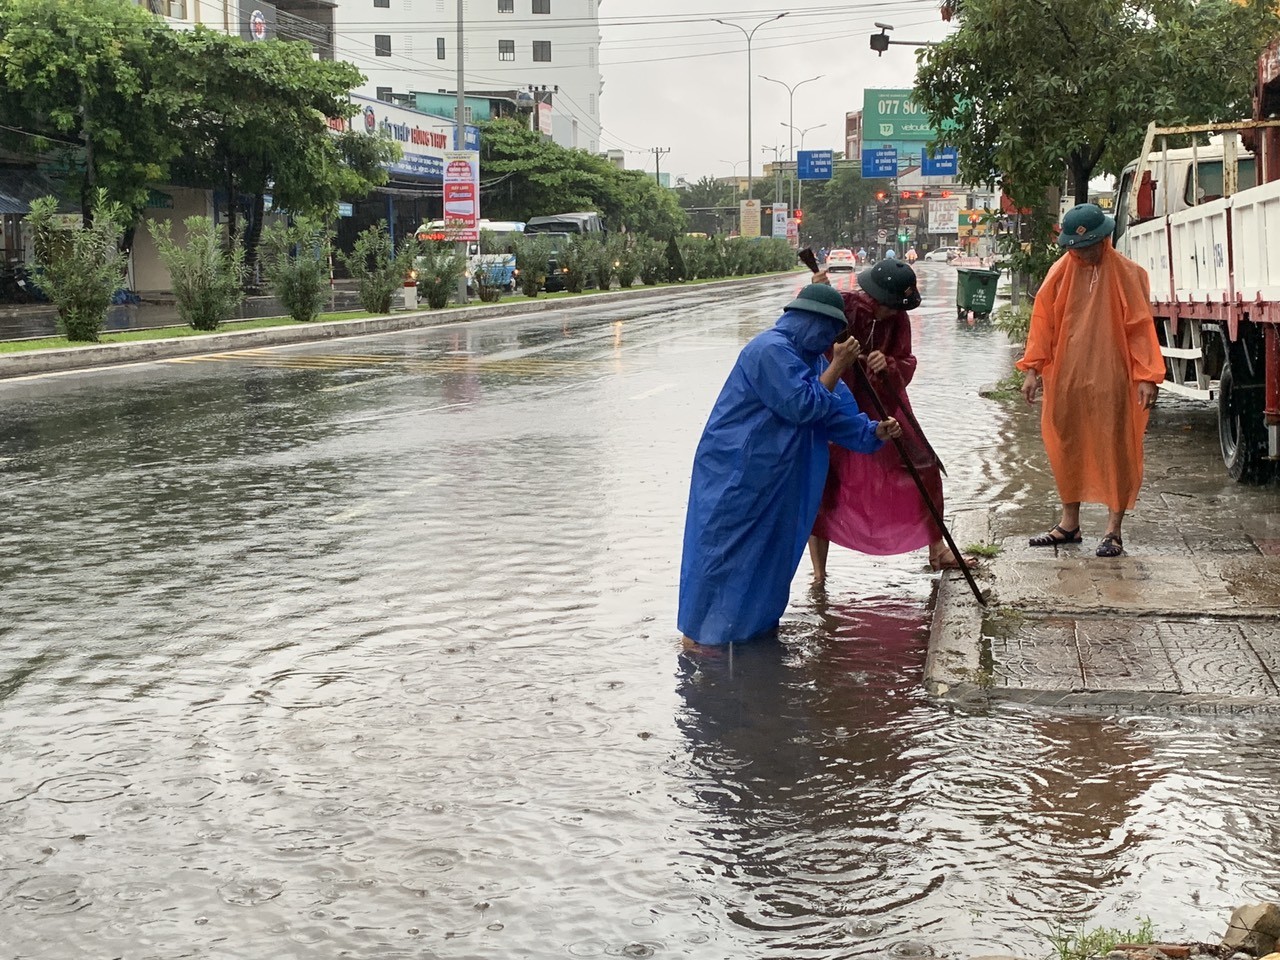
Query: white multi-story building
{"x": 405, "y": 47}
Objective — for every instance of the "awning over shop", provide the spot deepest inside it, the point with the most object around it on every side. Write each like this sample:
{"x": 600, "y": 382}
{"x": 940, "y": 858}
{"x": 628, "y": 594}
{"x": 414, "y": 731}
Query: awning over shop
{"x": 19, "y": 186}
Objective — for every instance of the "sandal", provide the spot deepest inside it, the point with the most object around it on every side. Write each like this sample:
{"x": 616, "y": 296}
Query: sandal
{"x": 1111, "y": 546}
{"x": 946, "y": 560}
{"x": 1049, "y": 540}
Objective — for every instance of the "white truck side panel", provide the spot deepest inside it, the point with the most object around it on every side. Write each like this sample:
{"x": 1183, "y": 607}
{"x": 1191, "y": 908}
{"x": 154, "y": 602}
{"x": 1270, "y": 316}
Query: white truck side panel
{"x": 1145, "y": 244}
{"x": 1199, "y": 240}
{"x": 1255, "y": 218}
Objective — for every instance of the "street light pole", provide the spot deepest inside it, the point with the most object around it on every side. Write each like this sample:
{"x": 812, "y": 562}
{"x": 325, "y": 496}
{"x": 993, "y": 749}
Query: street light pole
{"x": 748, "y": 35}
{"x": 791, "y": 119}
{"x": 799, "y": 182}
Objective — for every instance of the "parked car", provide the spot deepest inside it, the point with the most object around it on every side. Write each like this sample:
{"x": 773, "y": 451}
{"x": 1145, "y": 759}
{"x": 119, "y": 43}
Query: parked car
{"x": 566, "y": 223}
{"x": 841, "y": 259}
{"x": 944, "y": 254}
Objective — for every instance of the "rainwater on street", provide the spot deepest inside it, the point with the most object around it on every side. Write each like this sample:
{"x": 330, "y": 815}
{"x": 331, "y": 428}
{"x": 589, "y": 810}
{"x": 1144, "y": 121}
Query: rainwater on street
{"x": 367, "y": 649}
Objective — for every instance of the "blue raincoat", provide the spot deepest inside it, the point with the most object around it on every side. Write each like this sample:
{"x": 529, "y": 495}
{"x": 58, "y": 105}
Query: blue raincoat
{"x": 758, "y": 476}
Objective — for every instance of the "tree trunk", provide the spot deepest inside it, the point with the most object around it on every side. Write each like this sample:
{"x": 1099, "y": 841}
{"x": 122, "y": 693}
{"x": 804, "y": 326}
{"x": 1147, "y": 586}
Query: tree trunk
{"x": 253, "y": 233}
{"x": 232, "y": 223}
{"x": 1081, "y": 170}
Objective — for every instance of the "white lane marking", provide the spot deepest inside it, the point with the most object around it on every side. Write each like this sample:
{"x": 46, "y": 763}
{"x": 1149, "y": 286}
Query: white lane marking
{"x": 650, "y": 393}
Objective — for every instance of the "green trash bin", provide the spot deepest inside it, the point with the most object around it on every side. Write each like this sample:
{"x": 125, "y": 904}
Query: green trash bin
{"x": 976, "y": 291}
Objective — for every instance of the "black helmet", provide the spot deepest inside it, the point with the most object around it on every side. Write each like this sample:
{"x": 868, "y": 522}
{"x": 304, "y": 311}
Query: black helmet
{"x": 891, "y": 282}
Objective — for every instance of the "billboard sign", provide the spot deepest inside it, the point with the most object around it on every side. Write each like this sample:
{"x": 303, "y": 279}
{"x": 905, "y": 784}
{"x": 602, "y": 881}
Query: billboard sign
{"x": 945, "y": 163}
{"x": 749, "y": 218}
{"x": 462, "y": 195}
{"x": 544, "y": 118}
{"x": 424, "y": 139}
{"x": 944, "y": 214}
{"x": 881, "y": 162}
{"x": 814, "y": 164}
{"x": 779, "y": 220}
{"x": 893, "y": 115}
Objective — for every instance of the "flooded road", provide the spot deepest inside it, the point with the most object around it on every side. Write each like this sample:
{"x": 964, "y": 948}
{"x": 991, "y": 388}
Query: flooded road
{"x": 367, "y": 649}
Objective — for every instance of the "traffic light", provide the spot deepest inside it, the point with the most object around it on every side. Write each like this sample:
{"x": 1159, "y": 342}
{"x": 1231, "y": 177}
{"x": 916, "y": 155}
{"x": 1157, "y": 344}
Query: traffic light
{"x": 906, "y": 194}
{"x": 799, "y": 216}
{"x": 881, "y": 195}
{"x": 946, "y": 194}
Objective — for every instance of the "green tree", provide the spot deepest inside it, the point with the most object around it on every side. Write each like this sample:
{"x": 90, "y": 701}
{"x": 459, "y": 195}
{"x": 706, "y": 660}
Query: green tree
{"x": 297, "y": 266}
{"x": 254, "y": 121}
{"x": 80, "y": 269}
{"x": 207, "y": 277}
{"x": 379, "y": 273}
{"x": 1051, "y": 88}
{"x": 90, "y": 79}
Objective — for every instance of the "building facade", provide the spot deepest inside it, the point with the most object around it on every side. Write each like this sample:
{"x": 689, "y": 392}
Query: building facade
{"x": 548, "y": 48}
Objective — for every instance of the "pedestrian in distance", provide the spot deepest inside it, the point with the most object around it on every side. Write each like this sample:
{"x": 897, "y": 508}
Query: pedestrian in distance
{"x": 760, "y": 467}
{"x": 1093, "y": 355}
{"x": 872, "y": 504}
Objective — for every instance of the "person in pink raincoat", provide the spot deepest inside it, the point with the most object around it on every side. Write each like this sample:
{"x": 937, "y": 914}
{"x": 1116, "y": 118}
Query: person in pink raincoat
{"x": 871, "y": 503}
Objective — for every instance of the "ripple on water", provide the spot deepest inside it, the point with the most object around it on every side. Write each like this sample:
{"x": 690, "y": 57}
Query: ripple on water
{"x": 250, "y": 891}
{"x": 54, "y": 894}
{"x": 85, "y": 787}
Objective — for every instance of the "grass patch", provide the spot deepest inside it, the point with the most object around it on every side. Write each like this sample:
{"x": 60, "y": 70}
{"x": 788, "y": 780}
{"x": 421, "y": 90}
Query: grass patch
{"x": 260, "y": 323}
{"x": 1080, "y": 944}
{"x": 168, "y": 333}
{"x": 984, "y": 549}
{"x": 1008, "y": 388}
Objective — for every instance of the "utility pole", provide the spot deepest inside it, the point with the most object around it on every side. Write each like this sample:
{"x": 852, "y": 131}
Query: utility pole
{"x": 658, "y": 153}
{"x": 791, "y": 119}
{"x": 460, "y": 143}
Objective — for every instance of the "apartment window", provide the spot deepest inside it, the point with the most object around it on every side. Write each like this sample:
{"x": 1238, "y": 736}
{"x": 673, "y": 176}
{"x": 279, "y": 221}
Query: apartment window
{"x": 385, "y": 4}
{"x": 439, "y": 48}
{"x": 382, "y": 44}
{"x": 591, "y": 104}
{"x": 542, "y": 51}
{"x": 384, "y": 93}
{"x": 541, "y": 6}
{"x": 506, "y": 6}
{"x": 506, "y": 49}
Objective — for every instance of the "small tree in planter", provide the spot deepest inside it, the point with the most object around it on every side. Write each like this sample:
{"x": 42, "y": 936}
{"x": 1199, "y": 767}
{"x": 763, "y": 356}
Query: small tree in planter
{"x": 207, "y": 277}
{"x": 439, "y": 270}
{"x": 80, "y": 268}
{"x": 604, "y": 256}
{"x": 628, "y": 263}
{"x": 653, "y": 260}
{"x": 533, "y": 254}
{"x": 574, "y": 263}
{"x": 379, "y": 273}
{"x": 676, "y": 270}
{"x": 486, "y": 275}
{"x": 296, "y": 259}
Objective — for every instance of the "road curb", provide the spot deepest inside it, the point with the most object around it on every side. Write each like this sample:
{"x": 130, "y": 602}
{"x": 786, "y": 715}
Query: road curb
{"x": 39, "y": 362}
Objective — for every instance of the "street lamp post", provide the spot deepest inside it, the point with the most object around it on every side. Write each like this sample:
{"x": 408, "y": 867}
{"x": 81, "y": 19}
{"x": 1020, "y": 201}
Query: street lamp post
{"x": 735, "y": 164}
{"x": 799, "y": 182}
{"x": 748, "y": 35}
{"x": 791, "y": 102}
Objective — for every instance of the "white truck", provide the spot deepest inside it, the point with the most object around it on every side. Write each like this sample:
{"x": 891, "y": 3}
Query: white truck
{"x": 1204, "y": 220}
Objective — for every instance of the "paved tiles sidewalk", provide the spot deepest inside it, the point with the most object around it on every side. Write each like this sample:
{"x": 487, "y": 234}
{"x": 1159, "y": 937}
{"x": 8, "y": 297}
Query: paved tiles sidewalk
{"x": 1196, "y": 632}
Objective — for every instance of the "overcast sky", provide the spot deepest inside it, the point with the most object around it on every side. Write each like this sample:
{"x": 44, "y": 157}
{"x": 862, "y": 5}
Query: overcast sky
{"x": 675, "y": 78}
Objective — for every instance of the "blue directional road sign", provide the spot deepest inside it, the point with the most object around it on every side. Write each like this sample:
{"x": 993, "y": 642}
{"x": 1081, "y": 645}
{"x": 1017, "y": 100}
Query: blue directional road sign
{"x": 945, "y": 164}
{"x": 814, "y": 164}
{"x": 882, "y": 162}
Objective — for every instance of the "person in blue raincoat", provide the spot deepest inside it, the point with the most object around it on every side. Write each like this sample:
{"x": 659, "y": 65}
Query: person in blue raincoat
{"x": 760, "y": 468}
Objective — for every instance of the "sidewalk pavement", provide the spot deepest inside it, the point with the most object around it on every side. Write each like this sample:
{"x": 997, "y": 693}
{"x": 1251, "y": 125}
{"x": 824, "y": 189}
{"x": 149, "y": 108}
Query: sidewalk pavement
{"x": 39, "y": 362}
{"x": 1194, "y": 627}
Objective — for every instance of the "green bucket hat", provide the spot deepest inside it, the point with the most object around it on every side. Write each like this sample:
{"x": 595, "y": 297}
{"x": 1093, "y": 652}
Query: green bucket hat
{"x": 1084, "y": 225}
{"x": 819, "y": 298}
{"x": 891, "y": 282}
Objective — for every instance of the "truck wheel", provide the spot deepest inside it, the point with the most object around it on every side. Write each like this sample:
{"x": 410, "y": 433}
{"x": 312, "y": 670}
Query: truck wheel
{"x": 1241, "y": 433}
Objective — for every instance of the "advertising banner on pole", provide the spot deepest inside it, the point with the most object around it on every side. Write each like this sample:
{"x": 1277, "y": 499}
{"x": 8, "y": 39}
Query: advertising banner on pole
{"x": 462, "y": 195}
{"x": 793, "y": 233}
{"x": 779, "y": 220}
{"x": 944, "y": 214}
{"x": 749, "y": 218}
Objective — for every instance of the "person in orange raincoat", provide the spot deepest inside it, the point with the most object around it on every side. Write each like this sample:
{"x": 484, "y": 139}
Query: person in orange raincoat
{"x": 1093, "y": 353}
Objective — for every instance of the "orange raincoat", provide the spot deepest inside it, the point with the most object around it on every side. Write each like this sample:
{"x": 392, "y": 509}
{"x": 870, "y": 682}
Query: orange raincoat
{"x": 1093, "y": 341}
